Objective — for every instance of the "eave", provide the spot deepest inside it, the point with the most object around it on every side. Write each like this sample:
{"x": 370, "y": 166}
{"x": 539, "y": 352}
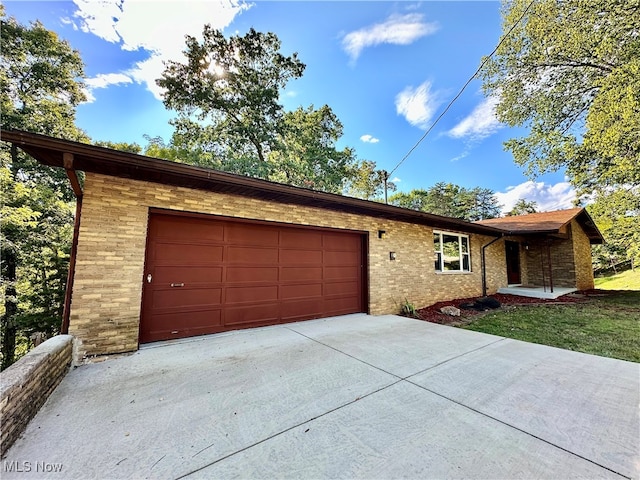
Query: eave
{"x": 90, "y": 158}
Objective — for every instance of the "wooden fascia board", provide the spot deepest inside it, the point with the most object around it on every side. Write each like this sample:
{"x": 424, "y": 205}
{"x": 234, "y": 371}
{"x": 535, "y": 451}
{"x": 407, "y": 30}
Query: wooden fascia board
{"x": 90, "y": 158}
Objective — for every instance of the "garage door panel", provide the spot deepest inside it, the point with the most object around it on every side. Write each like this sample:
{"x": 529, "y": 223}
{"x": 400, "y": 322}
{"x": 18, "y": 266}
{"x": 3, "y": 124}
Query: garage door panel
{"x": 296, "y": 237}
{"x": 252, "y": 255}
{"x": 304, "y": 290}
{"x": 300, "y": 274}
{"x": 266, "y": 314}
{"x": 252, "y": 294}
{"x": 349, "y": 272}
{"x": 341, "y": 306}
{"x": 334, "y": 258}
{"x": 341, "y": 242}
{"x": 187, "y": 254}
{"x": 244, "y": 274}
{"x": 245, "y": 234}
{"x": 237, "y": 274}
{"x": 186, "y": 274}
{"x": 342, "y": 288}
{"x": 292, "y": 311}
{"x": 186, "y": 229}
{"x": 186, "y": 297}
{"x": 181, "y": 325}
{"x": 300, "y": 257}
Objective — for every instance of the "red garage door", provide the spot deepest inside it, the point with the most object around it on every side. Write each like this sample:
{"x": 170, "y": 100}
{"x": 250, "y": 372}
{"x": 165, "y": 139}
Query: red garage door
{"x": 206, "y": 275}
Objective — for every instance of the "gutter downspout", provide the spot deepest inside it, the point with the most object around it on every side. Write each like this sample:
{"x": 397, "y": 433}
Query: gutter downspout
{"x": 77, "y": 191}
{"x": 484, "y": 265}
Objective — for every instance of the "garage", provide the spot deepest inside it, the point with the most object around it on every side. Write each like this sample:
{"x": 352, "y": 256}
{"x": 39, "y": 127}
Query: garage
{"x": 209, "y": 274}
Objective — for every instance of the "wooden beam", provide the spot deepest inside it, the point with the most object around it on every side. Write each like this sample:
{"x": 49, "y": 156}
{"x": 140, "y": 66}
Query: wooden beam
{"x": 67, "y": 161}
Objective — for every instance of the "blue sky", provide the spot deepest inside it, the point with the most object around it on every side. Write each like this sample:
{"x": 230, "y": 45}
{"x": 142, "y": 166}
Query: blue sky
{"x": 387, "y": 69}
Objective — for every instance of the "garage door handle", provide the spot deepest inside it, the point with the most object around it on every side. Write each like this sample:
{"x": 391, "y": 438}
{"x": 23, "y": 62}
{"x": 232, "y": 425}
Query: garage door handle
{"x": 177, "y": 284}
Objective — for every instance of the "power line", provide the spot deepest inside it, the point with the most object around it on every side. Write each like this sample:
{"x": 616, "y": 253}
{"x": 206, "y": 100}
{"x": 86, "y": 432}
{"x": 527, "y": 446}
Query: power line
{"x": 460, "y": 92}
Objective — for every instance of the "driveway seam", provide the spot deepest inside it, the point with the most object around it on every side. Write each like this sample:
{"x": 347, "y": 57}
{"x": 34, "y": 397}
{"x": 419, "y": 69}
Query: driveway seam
{"x": 266, "y": 439}
{"x": 517, "y": 428}
{"x": 408, "y": 377}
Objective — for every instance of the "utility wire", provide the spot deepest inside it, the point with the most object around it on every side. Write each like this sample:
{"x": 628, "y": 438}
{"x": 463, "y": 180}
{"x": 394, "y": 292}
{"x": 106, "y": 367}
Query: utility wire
{"x": 460, "y": 92}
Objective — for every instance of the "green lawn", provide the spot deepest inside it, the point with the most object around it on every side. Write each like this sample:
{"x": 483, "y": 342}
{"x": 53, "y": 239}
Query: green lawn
{"x": 608, "y": 326}
{"x": 628, "y": 280}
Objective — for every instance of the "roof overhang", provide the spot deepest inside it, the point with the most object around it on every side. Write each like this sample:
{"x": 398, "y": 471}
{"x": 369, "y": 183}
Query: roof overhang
{"x": 90, "y": 158}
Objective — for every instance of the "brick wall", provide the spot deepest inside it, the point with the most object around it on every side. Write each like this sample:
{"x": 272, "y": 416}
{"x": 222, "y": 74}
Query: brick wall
{"x": 582, "y": 255}
{"x": 570, "y": 260}
{"x": 27, "y": 384}
{"x": 106, "y": 300}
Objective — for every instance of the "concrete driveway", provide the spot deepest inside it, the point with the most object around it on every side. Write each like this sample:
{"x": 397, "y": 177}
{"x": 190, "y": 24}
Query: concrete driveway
{"x": 346, "y": 397}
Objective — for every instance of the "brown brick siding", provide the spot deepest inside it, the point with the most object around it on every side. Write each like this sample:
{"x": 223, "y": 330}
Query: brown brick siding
{"x": 27, "y": 384}
{"x": 570, "y": 260}
{"x": 106, "y": 300}
{"x": 582, "y": 255}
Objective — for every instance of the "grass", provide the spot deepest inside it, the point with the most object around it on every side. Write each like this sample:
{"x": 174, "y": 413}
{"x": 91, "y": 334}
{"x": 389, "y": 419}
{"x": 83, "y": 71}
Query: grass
{"x": 628, "y": 280}
{"x": 608, "y": 325}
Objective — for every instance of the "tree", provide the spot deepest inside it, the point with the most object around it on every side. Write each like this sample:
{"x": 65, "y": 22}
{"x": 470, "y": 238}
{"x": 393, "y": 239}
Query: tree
{"x": 617, "y": 214}
{"x": 307, "y": 155}
{"x": 367, "y": 182}
{"x": 235, "y": 85}
{"x": 40, "y": 80}
{"x": 451, "y": 200}
{"x": 523, "y": 207}
{"x": 229, "y": 116}
{"x": 570, "y": 73}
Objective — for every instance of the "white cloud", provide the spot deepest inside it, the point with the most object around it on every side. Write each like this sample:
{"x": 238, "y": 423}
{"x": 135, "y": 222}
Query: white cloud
{"x": 156, "y": 27}
{"x": 103, "y": 80}
{"x": 396, "y": 180}
{"x": 369, "y": 139}
{"x": 397, "y": 30}
{"x": 548, "y": 197}
{"x": 480, "y": 123}
{"x": 417, "y": 105}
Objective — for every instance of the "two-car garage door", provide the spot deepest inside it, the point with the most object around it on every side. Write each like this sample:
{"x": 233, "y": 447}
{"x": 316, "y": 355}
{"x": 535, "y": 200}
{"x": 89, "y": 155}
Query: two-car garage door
{"x": 205, "y": 275}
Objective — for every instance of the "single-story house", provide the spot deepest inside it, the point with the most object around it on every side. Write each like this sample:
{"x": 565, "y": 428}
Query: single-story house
{"x": 164, "y": 250}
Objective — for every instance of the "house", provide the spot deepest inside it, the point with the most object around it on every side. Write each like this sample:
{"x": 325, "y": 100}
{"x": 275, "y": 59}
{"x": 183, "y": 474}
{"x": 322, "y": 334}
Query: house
{"x": 164, "y": 250}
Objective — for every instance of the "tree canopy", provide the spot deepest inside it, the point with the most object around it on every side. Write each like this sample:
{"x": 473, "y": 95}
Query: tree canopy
{"x": 227, "y": 96}
{"x": 569, "y": 72}
{"x": 41, "y": 87}
{"x": 234, "y": 84}
{"x": 451, "y": 200}
{"x": 523, "y": 207}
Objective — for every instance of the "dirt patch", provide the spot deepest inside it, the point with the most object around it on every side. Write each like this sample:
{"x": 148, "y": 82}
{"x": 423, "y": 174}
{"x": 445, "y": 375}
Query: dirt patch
{"x": 432, "y": 313}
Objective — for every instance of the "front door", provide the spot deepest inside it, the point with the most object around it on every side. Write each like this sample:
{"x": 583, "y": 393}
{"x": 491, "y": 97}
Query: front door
{"x": 513, "y": 262}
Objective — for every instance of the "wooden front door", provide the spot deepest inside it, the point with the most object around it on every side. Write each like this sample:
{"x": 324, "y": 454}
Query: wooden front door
{"x": 513, "y": 262}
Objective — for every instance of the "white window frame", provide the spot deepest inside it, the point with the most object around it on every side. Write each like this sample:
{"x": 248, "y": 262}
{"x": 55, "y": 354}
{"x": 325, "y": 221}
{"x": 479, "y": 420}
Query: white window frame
{"x": 461, "y": 254}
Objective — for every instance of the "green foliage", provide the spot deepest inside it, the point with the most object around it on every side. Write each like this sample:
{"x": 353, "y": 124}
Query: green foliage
{"x": 408, "y": 308}
{"x": 230, "y": 119}
{"x": 569, "y": 72}
{"x": 617, "y": 214}
{"x": 121, "y": 146}
{"x": 367, "y": 182}
{"x": 41, "y": 86}
{"x": 234, "y": 84}
{"x": 451, "y": 200}
{"x": 523, "y": 207}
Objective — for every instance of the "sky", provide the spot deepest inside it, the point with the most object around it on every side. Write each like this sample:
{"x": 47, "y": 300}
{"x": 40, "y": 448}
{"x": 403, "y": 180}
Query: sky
{"x": 387, "y": 69}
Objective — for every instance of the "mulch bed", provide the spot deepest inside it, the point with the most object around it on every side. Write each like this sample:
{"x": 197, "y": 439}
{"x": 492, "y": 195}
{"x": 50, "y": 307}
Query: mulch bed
{"x": 432, "y": 313}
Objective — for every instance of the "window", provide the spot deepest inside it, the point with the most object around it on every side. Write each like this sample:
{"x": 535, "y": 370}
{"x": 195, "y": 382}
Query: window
{"x": 451, "y": 252}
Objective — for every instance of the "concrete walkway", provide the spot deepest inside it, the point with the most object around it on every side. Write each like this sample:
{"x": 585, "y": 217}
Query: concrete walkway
{"x": 346, "y": 397}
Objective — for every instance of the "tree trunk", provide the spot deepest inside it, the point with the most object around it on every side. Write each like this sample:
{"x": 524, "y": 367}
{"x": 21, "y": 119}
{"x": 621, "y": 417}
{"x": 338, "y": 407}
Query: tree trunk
{"x": 11, "y": 308}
